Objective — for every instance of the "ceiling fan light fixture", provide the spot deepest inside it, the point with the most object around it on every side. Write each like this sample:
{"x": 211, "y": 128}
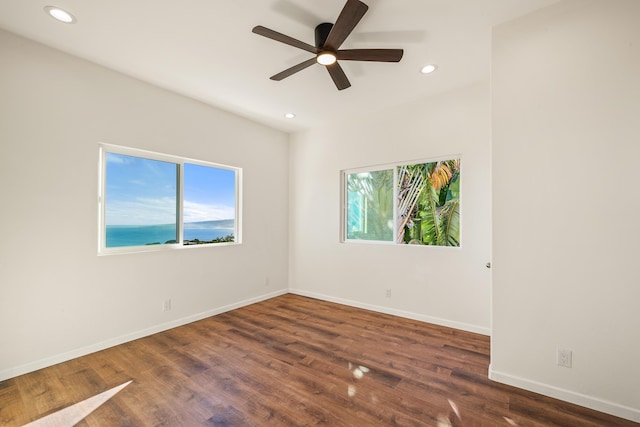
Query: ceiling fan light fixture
{"x": 60, "y": 15}
{"x": 428, "y": 69}
{"x": 326, "y": 58}
{"x": 328, "y": 39}
{"x": 289, "y": 116}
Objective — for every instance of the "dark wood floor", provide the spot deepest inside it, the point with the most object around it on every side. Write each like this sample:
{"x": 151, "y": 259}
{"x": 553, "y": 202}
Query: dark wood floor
{"x": 292, "y": 361}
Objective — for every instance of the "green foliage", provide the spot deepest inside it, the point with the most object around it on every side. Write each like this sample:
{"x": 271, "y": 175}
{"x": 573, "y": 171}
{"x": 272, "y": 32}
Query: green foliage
{"x": 432, "y": 216}
{"x": 225, "y": 239}
{"x": 449, "y": 233}
{"x": 427, "y": 210}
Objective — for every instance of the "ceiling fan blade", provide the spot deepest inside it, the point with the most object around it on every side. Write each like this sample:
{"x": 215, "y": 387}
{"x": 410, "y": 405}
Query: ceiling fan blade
{"x": 289, "y": 71}
{"x": 339, "y": 77}
{"x": 351, "y": 14}
{"x": 379, "y": 55}
{"x": 274, "y": 35}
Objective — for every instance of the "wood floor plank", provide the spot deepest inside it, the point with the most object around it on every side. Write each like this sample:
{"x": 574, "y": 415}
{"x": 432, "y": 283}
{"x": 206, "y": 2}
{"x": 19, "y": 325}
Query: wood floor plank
{"x": 42, "y": 393}
{"x": 12, "y": 408}
{"x": 293, "y": 361}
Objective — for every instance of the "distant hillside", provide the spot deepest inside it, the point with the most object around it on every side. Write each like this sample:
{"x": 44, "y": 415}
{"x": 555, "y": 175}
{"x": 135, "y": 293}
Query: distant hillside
{"x": 221, "y": 223}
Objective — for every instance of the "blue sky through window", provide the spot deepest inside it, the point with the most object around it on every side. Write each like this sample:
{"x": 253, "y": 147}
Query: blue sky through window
{"x": 209, "y": 193}
{"x": 143, "y": 191}
{"x": 140, "y": 191}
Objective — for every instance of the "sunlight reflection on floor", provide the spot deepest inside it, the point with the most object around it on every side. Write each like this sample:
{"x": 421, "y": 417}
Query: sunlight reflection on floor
{"x": 358, "y": 373}
{"x": 75, "y": 413}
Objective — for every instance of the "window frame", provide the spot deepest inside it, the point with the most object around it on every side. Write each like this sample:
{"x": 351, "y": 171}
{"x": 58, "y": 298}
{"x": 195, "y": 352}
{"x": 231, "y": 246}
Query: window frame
{"x": 179, "y": 161}
{"x": 387, "y": 166}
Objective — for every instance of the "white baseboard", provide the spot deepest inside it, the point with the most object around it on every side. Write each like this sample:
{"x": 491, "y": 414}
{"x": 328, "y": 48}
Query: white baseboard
{"x": 566, "y": 395}
{"x": 401, "y": 313}
{"x": 83, "y": 351}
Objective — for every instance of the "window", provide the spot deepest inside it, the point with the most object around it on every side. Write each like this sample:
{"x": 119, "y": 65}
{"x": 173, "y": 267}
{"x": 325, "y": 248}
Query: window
{"x": 413, "y": 203}
{"x": 153, "y": 201}
{"x": 370, "y": 205}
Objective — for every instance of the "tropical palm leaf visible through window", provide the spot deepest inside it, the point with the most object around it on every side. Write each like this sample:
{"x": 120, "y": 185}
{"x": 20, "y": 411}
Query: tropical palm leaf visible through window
{"x": 429, "y": 203}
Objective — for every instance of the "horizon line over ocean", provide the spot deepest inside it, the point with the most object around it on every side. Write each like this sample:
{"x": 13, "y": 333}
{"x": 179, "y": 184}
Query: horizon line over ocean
{"x": 140, "y": 235}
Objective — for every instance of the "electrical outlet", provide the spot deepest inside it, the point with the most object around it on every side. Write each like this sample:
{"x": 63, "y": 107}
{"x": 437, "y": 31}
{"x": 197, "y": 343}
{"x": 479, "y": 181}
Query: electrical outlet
{"x": 388, "y": 293}
{"x": 564, "y": 358}
{"x": 266, "y": 281}
{"x": 166, "y": 305}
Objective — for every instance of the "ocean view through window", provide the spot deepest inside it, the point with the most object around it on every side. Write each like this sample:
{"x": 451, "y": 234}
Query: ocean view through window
{"x": 153, "y": 201}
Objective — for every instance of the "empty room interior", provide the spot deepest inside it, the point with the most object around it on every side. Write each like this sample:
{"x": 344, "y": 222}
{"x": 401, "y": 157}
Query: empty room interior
{"x": 436, "y": 229}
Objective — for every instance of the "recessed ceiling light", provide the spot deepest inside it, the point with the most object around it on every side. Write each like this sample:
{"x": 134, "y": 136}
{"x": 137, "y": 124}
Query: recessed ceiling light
{"x": 60, "y": 14}
{"x": 428, "y": 69}
{"x": 289, "y": 116}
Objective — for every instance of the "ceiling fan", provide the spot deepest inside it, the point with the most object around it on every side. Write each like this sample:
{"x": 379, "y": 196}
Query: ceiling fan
{"x": 328, "y": 39}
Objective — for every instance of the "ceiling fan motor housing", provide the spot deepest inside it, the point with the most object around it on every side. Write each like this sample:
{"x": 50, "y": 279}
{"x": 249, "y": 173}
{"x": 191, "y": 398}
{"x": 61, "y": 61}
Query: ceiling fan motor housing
{"x": 322, "y": 32}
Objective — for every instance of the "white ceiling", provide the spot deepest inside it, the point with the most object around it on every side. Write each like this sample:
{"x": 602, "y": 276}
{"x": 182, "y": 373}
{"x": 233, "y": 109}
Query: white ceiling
{"x": 205, "y": 49}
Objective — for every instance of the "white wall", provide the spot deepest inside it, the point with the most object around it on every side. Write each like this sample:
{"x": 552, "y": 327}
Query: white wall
{"x": 566, "y": 145}
{"x": 58, "y": 299}
{"x": 449, "y": 286}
